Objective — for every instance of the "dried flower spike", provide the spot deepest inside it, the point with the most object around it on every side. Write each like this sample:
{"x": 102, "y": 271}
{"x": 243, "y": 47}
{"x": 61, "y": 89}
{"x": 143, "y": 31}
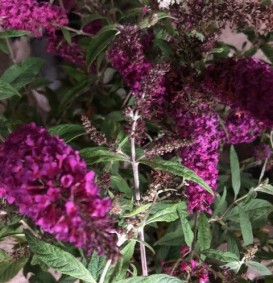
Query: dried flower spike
{"x": 166, "y": 144}
{"x": 94, "y": 135}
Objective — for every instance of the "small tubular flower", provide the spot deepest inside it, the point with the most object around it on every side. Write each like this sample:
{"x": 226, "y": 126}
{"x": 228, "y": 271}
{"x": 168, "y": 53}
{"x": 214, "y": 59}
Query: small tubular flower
{"x": 50, "y": 183}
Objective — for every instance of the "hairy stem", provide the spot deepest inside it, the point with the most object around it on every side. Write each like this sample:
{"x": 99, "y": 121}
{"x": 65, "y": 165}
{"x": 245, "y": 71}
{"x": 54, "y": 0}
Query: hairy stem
{"x": 137, "y": 191}
{"x": 133, "y": 158}
{"x": 78, "y": 32}
{"x": 105, "y": 270}
{"x": 235, "y": 202}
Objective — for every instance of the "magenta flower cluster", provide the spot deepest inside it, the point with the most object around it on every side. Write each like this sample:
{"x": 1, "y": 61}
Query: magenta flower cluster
{"x": 202, "y": 155}
{"x": 150, "y": 83}
{"x": 31, "y": 16}
{"x": 50, "y": 183}
{"x": 241, "y": 127}
{"x": 127, "y": 56}
{"x": 200, "y": 271}
{"x": 187, "y": 267}
{"x": 146, "y": 80}
{"x": 262, "y": 152}
{"x": 244, "y": 84}
{"x": 70, "y": 52}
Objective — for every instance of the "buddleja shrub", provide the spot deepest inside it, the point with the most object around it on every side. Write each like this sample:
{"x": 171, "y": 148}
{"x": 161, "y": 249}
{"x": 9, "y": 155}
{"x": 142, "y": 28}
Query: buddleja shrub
{"x": 149, "y": 157}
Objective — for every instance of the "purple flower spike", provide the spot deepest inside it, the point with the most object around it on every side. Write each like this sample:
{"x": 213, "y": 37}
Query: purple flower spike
{"x": 202, "y": 155}
{"x": 50, "y": 183}
{"x": 31, "y": 16}
{"x": 245, "y": 84}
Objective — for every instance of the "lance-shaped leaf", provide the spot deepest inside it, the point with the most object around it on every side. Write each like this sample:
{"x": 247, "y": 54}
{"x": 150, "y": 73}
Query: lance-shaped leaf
{"x": 220, "y": 255}
{"x": 6, "y": 90}
{"x": 99, "y": 43}
{"x": 186, "y": 227}
{"x": 245, "y": 226}
{"x": 68, "y": 132}
{"x": 118, "y": 271}
{"x": 156, "y": 278}
{"x": 204, "y": 233}
{"x": 13, "y": 33}
{"x": 96, "y": 265}
{"x": 267, "y": 189}
{"x": 23, "y": 73}
{"x": 167, "y": 214}
{"x": 10, "y": 268}
{"x": 58, "y": 259}
{"x": 178, "y": 170}
{"x": 258, "y": 267}
{"x": 100, "y": 154}
{"x": 235, "y": 171}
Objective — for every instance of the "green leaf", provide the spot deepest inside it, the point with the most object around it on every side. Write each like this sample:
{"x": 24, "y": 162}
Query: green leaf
{"x": 68, "y": 132}
{"x": 267, "y": 189}
{"x": 23, "y": 73}
{"x": 156, "y": 278}
{"x": 197, "y": 35}
{"x": 257, "y": 209}
{"x": 204, "y": 234}
{"x": 118, "y": 271}
{"x": 3, "y": 46}
{"x": 164, "y": 47}
{"x": 42, "y": 277}
{"x": 4, "y": 256}
{"x": 100, "y": 154}
{"x": 235, "y": 171}
{"x": 119, "y": 183}
{"x": 246, "y": 227}
{"x": 99, "y": 43}
{"x": 234, "y": 265}
{"x": 66, "y": 279}
{"x": 96, "y": 265}
{"x": 268, "y": 51}
{"x": 6, "y": 90}
{"x": 132, "y": 12}
{"x": 219, "y": 206}
{"x": 67, "y": 35}
{"x": 168, "y": 214}
{"x": 232, "y": 245}
{"x": 259, "y": 268}
{"x": 9, "y": 231}
{"x": 172, "y": 238}
{"x": 220, "y": 255}
{"x": 153, "y": 19}
{"x": 186, "y": 227}
{"x": 127, "y": 252}
{"x": 9, "y": 269}
{"x": 58, "y": 259}
{"x": 138, "y": 210}
{"x": 13, "y": 33}
{"x": 178, "y": 170}
{"x": 74, "y": 92}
